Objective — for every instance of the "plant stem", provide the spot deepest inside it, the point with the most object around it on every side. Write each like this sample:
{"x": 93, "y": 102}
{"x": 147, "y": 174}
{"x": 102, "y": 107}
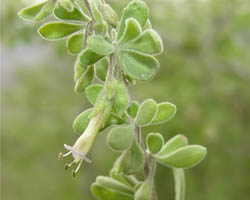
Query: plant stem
{"x": 86, "y": 2}
{"x": 147, "y": 169}
{"x": 179, "y": 179}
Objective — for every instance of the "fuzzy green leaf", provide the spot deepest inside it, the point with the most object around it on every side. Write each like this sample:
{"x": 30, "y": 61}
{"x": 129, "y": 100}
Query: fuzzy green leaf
{"x": 165, "y": 112}
{"x": 99, "y": 45}
{"x": 93, "y": 91}
{"x": 102, "y": 193}
{"x": 29, "y": 13}
{"x": 136, "y": 9}
{"x": 45, "y": 11}
{"x": 149, "y": 42}
{"x": 95, "y": 5}
{"x": 109, "y": 14}
{"x": 132, "y": 30}
{"x": 121, "y": 97}
{"x": 113, "y": 184}
{"x": 81, "y": 121}
{"x": 155, "y": 142}
{"x": 132, "y": 109}
{"x": 89, "y": 57}
{"x": 184, "y": 157}
{"x": 121, "y": 137}
{"x": 58, "y": 30}
{"x": 79, "y": 69}
{"x": 67, "y": 5}
{"x": 101, "y": 69}
{"x": 113, "y": 120}
{"x": 85, "y": 80}
{"x": 76, "y": 15}
{"x": 144, "y": 192}
{"x": 75, "y": 43}
{"x": 135, "y": 160}
{"x": 173, "y": 144}
{"x": 138, "y": 66}
{"x": 146, "y": 112}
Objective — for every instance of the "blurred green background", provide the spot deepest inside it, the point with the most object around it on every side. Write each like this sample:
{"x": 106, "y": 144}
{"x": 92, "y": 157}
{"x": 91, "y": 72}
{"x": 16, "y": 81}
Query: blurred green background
{"x": 205, "y": 71}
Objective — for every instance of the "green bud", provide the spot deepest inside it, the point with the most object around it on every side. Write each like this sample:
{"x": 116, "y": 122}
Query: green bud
{"x": 100, "y": 103}
{"x": 121, "y": 97}
{"x": 111, "y": 87}
{"x": 109, "y": 14}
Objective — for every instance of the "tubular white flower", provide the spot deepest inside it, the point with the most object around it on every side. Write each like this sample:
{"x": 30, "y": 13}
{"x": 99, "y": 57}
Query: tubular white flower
{"x": 84, "y": 143}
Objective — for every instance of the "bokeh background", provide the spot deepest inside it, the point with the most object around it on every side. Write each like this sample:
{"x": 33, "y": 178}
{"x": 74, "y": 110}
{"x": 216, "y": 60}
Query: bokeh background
{"x": 205, "y": 71}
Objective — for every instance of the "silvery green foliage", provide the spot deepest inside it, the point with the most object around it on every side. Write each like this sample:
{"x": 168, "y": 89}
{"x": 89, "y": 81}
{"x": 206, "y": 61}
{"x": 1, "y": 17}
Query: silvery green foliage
{"x": 112, "y": 53}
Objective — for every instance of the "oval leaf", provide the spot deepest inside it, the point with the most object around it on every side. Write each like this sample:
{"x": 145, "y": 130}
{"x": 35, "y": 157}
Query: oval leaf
{"x": 79, "y": 69}
{"x": 85, "y": 80}
{"x": 149, "y": 42}
{"x": 93, "y": 91}
{"x": 132, "y": 30}
{"x": 136, "y": 9}
{"x": 101, "y": 69}
{"x": 75, "y": 43}
{"x": 184, "y": 157}
{"x": 120, "y": 138}
{"x": 112, "y": 184}
{"x": 165, "y": 112}
{"x": 29, "y": 13}
{"x": 173, "y": 144}
{"x": 76, "y": 15}
{"x": 102, "y": 193}
{"x": 109, "y": 14}
{"x": 81, "y": 121}
{"x": 58, "y": 30}
{"x": 88, "y": 57}
{"x": 45, "y": 11}
{"x": 121, "y": 97}
{"x": 138, "y": 66}
{"x": 136, "y": 160}
{"x": 144, "y": 192}
{"x": 146, "y": 112}
{"x": 132, "y": 109}
{"x": 99, "y": 45}
{"x": 67, "y": 5}
{"x": 155, "y": 142}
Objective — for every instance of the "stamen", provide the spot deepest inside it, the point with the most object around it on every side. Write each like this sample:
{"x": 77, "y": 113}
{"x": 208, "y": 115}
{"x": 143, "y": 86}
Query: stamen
{"x": 69, "y": 165}
{"x": 61, "y": 155}
{"x": 74, "y": 172}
